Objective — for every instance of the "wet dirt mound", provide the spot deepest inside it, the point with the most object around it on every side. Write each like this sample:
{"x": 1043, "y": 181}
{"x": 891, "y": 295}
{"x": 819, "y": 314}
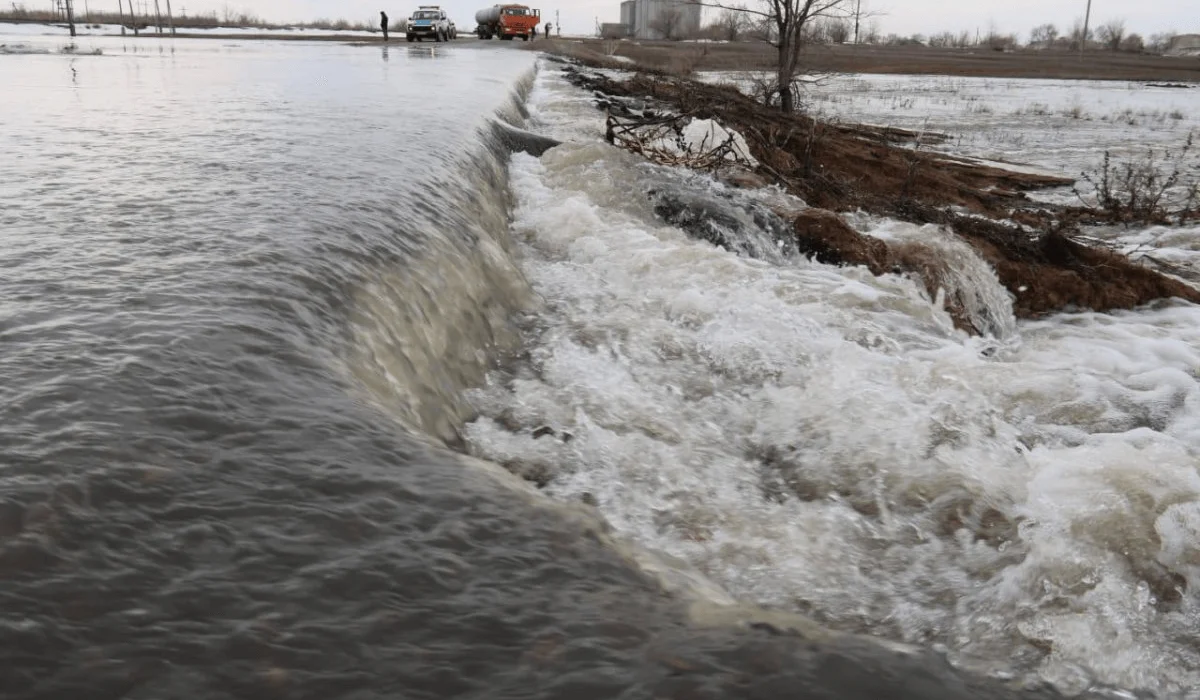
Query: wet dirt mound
{"x": 835, "y": 166}
{"x": 824, "y": 237}
{"x": 1048, "y": 271}
{"x": 840, "y": 167}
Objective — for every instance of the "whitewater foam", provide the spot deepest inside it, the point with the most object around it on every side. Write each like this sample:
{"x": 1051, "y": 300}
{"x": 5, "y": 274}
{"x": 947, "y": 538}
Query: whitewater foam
{"x": 821, "y": 440}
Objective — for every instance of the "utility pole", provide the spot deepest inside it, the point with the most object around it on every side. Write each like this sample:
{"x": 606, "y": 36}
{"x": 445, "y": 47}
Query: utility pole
{"x": 857, "y": 19}
{"x": 158, "y": 15}
{"x": 557, "y": 23}
{"x": 170, "y": 18}
{"x": 133, "y": 18}
{"x": 1086, "y": 19}
{"x": 121, "y": 14}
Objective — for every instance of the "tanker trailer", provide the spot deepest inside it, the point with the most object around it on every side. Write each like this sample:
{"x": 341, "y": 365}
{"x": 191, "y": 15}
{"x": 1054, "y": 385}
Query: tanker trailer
{"x": 507, "y": 22}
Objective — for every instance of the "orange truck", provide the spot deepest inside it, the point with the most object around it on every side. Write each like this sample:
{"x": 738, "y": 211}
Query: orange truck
{"x": 507, "y": 22}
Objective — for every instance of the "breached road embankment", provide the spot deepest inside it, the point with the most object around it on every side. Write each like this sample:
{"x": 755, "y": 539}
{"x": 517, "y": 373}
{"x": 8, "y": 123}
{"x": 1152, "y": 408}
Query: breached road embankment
{"x": 839, "y": 168}
{"x": 798, "y": 655}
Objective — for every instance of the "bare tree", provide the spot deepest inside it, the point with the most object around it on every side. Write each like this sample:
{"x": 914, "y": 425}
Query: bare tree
{"x": 787, "y": 22}
{"x": 1044, "y": 34}
{"x": 870, "y": 33}
{"x": 950, "y": 40}
{"x": 837, "y": 30}
{"x": 1160, "y": 42}
{"x": 997, "y": 41}
{"x": 1133, "y": 44}
{"x": 731, "y": 23}
{"x": 941, "y": 41}
{"x": 758, "y": 28}
{"x": 1111, "y": 33}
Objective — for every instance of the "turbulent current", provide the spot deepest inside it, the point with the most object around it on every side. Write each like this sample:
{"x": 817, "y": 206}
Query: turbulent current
{"x": 279, "y": 323}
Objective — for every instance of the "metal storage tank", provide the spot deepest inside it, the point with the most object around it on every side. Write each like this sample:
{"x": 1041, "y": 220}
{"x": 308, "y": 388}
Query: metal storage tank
{"x": 689, "y": 25}
{"x": 1185, "y": 45}
{"x": 628, "y": 12}
{"x": 642, "y": 16}
{"x": 648, "y": 13}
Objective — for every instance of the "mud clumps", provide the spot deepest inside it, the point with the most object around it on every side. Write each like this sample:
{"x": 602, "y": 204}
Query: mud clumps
{"x": 1065, "y": 274}
{"x": 824, "y": 237}
{"x": 834, "y": 166}
{"x": 1044, "y": 273}
{"x": 885, "y": 171}
{"x": 1048, "y": 271}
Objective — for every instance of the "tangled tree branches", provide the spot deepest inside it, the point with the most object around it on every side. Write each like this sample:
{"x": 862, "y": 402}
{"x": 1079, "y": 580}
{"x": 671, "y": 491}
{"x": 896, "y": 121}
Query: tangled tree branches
{"x": 678, "y": 140}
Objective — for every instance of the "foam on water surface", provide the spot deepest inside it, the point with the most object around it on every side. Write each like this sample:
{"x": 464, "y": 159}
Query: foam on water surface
{"x": 821, "y": 440}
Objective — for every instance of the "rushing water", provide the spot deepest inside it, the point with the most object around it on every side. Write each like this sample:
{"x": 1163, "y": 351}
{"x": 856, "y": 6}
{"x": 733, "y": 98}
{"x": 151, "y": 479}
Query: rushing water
{"x": 246, "y": 289}
{"x": 822, "y": 440}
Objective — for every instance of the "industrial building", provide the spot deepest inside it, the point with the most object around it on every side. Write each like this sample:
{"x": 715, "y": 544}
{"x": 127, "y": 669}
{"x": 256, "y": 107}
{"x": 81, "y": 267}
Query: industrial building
{"x": 660, "y": 19}
{"x": 1182, "y": 45}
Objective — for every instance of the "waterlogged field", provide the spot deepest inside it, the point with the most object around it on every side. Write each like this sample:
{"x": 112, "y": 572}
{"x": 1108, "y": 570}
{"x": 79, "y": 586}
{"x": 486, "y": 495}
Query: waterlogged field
{"x": 1059, "y": 126}
{"x": 821, "y": 440}
{"x": 1063, "y": 126}
{"x": 10, "y": 30}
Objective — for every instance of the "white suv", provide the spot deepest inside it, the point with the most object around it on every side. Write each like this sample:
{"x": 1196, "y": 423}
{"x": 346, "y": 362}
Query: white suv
{"x": 429, "y": 21}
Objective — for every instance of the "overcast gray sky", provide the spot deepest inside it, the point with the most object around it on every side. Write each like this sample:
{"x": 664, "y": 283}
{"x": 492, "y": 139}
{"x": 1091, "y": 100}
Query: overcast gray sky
{"x": 898, "y": 16}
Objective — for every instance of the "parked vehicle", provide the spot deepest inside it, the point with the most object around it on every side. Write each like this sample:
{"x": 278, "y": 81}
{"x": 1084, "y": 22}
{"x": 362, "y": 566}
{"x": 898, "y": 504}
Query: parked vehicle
{"x": 429, "y": 21}
{"x": 507, "y": 22}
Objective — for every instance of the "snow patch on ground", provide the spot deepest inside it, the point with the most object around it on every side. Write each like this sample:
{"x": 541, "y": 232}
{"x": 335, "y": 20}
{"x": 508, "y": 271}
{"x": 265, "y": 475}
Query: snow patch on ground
{"x": 701, "y": 135}
{"x": 84, "y": 29}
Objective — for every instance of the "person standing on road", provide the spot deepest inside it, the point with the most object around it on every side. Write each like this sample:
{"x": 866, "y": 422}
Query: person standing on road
{"x": 548, "y": 25}
{"x": 383, "y": 23}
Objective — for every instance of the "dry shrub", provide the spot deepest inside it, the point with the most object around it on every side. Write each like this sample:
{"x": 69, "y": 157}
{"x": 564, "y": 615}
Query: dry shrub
{"x": 1147, "y": 189}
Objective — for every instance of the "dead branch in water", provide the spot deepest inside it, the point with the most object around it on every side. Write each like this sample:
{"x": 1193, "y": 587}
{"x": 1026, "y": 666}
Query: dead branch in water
{"x": 663, "y": 140}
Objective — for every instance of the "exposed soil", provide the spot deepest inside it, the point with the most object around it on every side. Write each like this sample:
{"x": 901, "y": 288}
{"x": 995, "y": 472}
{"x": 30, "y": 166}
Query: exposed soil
{"x": 833, "y": 166}
{"x": 844, "y": 168}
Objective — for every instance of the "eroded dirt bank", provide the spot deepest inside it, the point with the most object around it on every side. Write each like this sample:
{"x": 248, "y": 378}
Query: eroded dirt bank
{"x": 842, "y": 168}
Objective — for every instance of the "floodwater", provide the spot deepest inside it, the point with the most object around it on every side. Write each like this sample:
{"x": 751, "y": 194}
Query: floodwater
{"x": 822, "y": 440}
{"x": 257, "y": 300}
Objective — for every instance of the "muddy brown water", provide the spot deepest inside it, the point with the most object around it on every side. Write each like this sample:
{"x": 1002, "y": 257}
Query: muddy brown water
{"x": 198, "y": 497}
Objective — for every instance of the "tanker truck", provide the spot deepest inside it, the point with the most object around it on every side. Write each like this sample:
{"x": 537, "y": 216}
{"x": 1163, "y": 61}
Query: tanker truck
{"x": 507, "y": 22}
